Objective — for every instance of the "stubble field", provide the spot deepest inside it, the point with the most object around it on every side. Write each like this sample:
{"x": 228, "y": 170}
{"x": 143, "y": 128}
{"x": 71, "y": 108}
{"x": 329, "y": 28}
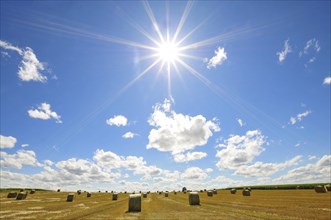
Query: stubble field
{"x": 262, "y": 204}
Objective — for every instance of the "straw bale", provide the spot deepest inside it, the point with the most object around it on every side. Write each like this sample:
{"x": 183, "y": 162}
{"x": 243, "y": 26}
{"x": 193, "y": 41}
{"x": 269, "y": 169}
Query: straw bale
{"x": 193, "y": 198}
{"x": 135, "y": 203}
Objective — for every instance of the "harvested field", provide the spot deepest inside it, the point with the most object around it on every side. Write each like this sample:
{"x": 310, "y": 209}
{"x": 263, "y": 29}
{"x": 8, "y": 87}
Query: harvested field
{"x": 262, "y": 204}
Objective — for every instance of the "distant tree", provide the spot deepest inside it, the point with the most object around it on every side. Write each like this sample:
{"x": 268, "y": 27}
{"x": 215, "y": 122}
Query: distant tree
{"x": 184, "y": 189}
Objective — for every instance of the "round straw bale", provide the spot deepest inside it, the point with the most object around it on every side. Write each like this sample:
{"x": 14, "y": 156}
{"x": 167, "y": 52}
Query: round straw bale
{"x": 214, "y": 191}
{"x": 115, "y": 196}
{"x": 210, "y": 193}
{"x": 328, "y": 187}
{"x": 70, "y": 197}
{"x": 175, "y": 193}
{"x": 233, "y": 191}
{"x": 246, "y": 192}
{"x": 144, "y": 195}
{"x": 166, "y": 194}
{"x": 135, "y": 203}
{"x": 21, "y": 195}
{"x": 88, "y": 194}
{"x": 79, "y": 192}
{"x": 32, "y": 191}
{"x": 193, "y": 198}
{"x": 12, "y": 195}
{"x": 58, "y": 190}
{"x": 320, "y": 189}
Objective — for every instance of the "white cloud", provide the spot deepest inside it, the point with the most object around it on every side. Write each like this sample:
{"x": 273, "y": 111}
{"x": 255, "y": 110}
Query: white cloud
{"x": 310, "y": 157}
{"x": 310, "y": 173}
{"x": 44, "y": 112}
{"x": 17, "y": 160}
{"x": 30, "y": 67}
{"x": 194, "y": 173}
{"x": 48, "y": 162}
{"x": 297, "y": 145}
{"x": 178, "y": 133}
{"x": 327, "y": 80}
{"x": 7, "y": 142}
{"x": 287, "y": 49}
{"x": 5, "y": 54}
{"x": 240, "y": 150}
{"x": 117, "y": 120}
{"x": 129, "y": 135}
{"x": 266, "y": 169}
{"x": 8, "y": 46}
{"x": 299, "y": 117}
{"x": 218, "y": 59}
{"x": 107, "y": 159}
{"x": 180, "y": 158}
{"x": 241, "y": 122}
{"x": 75, "y": 166}
{"x": 24, "y": 145}
{"x": 312, "y": 44}
{"x": 312, "y": 47}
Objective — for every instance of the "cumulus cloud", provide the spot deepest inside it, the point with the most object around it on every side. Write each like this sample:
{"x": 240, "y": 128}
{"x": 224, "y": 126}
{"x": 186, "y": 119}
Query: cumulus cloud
{"x": 240, "y": 150}
{"x": 117, "y": 120}
{"x": 299, "y": 117}
{"x": 287, "y": 49}
{"x": 30, "y": 68}
{"x": 7, "y": 142}
{"x": 180, "y": 158}
{"x": 24, "y": 145}
{"x": 17, "y": 160}
{"x": 109, "y": 160}
{"x": 319, "y": 171}
{"x": 194, "y": 173}
{"x": 218, "y": 59}
{"x": 75, "y": 166}
{"x": 327, "y": 80}
{"x": 177, "y": 133}
{"x": 44, "y": 112}
{"x": 240, "y": 122}
{"x": 266, "y": 169}
{"x": 129, "y": 135}
{"x": 311, "y": 157}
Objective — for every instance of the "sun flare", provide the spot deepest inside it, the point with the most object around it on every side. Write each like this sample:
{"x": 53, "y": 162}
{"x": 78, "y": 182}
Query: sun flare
{"x": 168, "y": 52}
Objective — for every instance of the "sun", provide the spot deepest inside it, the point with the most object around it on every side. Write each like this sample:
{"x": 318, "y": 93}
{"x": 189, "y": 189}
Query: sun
{"x": 168, "y": 52}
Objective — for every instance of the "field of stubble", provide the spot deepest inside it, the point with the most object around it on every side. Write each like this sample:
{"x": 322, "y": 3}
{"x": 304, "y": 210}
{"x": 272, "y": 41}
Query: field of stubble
{"x": 262, "y": 204}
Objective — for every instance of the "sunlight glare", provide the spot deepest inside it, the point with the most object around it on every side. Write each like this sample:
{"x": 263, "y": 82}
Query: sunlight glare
{"x": 168, "y": 52}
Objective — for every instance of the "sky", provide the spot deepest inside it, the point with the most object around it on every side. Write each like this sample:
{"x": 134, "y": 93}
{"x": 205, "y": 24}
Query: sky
{"x": 161, "y": 95}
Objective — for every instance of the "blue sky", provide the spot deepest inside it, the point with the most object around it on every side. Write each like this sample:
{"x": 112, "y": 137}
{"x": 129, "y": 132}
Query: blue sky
{"x": 161, "y": 95}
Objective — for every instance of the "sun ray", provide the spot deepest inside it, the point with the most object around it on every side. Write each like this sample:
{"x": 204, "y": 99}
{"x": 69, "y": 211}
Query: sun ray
{"x": 222, "y": 37}
{"x": 138, "y": 77}
{"x": 150, "y": 14}
{"x": 191, "y": 56}
{"x": 182, "y": 21}
{"x": 139, "y": 28}
{"x": 192, "y": 31}
{"x": 73, "y": 31}
{"x": 169, "y": 79}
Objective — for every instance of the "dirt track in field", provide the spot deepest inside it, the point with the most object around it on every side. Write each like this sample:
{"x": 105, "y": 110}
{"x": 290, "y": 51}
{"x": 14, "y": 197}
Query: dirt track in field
{"x": 262, "y": 204}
